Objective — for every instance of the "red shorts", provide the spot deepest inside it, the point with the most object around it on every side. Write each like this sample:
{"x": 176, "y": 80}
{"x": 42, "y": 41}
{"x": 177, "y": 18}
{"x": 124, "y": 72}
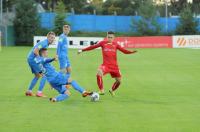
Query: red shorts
{"x": 114, "y": 72}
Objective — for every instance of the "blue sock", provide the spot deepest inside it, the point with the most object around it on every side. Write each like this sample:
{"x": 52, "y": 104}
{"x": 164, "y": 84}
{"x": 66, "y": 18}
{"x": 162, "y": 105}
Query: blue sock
{"x": 33, "y": 82}
{"x": 42, "y": 83}
{"x": 61, "y": 97}
{"x": 77, "y": 87}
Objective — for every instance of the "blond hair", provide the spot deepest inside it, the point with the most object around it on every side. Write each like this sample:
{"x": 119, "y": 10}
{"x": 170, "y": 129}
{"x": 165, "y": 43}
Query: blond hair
{"x": 51, "y": 33}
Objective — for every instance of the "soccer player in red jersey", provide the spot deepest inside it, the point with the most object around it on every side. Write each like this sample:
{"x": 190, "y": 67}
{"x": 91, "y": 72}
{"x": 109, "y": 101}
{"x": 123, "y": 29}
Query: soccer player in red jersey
{"x": 110, "y": 65}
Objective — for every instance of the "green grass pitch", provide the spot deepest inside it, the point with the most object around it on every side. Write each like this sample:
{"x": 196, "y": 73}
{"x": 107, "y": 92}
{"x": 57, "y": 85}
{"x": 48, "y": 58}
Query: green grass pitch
{"x": 160, "y": 92}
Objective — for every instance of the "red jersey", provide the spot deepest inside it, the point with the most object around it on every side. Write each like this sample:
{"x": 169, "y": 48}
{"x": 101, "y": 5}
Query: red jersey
{"x": 109, "y": 52}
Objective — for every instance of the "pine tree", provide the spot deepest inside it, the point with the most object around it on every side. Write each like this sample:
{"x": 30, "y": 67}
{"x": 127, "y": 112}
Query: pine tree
{"x": 147, "y": 24}
{"x": 188, "y": 24}
{"x": 60, "y": 18}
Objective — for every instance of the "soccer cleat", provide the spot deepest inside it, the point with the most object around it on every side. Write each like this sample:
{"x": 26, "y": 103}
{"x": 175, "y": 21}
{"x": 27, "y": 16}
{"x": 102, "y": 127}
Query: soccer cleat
{"x": 101, "y": 93}
{"x": 41, "y": 95}
{"x": 28, "y": 93}
{"x": 112, "y": 93}
{"x": 52, "y": 99}
{"x": 85, "y": 94}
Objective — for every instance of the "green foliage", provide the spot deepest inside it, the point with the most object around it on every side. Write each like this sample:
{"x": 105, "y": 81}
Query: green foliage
{"x": 188, "y": 24}
{"x": 93, "y": 5}
{"x": 60, "y": 17}
{"x": 176, "y": 6}
{"x": 147, "y": 24}
{"x": 77, "y": 5}
{"x": 26, "y": 21}
{"x": 97, "y": 34}
{"x": 42, "y": 31}
{"x": 122, "y": 7}
{"x": 196, "y": 7}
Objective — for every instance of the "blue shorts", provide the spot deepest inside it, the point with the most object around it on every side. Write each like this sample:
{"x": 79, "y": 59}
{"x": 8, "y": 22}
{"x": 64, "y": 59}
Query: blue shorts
{"x": 59, "y": 82}
{"x": 34, "y": 66}
{"x": 64, "y": 62}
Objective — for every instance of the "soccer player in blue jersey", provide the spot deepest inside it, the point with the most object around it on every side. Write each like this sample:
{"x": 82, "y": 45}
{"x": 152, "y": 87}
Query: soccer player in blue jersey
{"x": 62, "y": 51}
{"x": 58, "y": 80}
{"x": 32, "y": 59}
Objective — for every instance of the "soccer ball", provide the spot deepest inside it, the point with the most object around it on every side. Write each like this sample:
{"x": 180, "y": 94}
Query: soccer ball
{"x": 95, "y": 97}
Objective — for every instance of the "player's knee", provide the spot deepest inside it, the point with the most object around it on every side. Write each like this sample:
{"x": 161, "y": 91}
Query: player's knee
{"x": 118, "y": 80}
{"x": 38, "y": 75}
{"x": 67, "y": 92}
{"x": 99, "y": 73}
{"x": 69, "y": 69}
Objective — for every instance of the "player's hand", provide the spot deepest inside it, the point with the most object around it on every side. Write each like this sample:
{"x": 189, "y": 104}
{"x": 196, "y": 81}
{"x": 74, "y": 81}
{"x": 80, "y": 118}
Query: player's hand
{"x": 79, "y": 51}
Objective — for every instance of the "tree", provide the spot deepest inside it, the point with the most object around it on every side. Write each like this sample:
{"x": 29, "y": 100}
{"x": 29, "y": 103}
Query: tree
{"x": 122, "y": 7}
{"x": 77, "y": 5}
{"x": 94, "y": 5}
{"x": 188, "y": 24}
{"x": 176, "y": 6}
{"x": 26, "y": 21}
{"x": 60, "y": 18}
{"x": 112, "y": 9}
{"x": 147, "y": 24}
{"x": 196, "y": 7}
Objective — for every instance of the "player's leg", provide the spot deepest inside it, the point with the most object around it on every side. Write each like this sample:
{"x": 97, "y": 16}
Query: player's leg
{"x": 65, "y": 66}
{"x": 63, "y": 93}
{"x": 36, "y": 71}
{"x": 68, "y": 71}
{"x": 32, "y": 85}
{"x": 41, "y": 87}
{"x": 117, "y": 75}
{"x": 62, "y": 97}
{"x": 62, "y": 63}
{"x": 100, "y": 80}
{"x": 78, "y": 88}
{"x": 115, "y": 86}
{"x": 68, "y": 67}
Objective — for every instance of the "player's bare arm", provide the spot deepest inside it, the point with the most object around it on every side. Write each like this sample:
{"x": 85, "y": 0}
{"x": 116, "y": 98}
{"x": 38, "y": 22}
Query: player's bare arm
{"x": 125, "y": 51}
{"x": 36, "y": 51}
{"x": 90, "y": 48}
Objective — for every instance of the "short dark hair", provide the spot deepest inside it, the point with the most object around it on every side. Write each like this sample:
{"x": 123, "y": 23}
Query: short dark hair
{"x": 41, "y": 50}
{"x": 110, "y": 32}
{"x": 66, "y": 26}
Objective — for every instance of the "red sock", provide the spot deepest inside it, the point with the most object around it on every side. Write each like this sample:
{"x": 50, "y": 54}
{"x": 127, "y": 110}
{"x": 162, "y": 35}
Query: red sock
{"x": 100, "y": 82}
{"x": 115, "y": 85}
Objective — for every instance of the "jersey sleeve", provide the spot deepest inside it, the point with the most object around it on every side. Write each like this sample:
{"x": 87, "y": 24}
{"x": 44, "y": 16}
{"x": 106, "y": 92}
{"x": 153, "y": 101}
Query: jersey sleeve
{"x": 123, "y": 50}
{"x": 38, "y": 59}
{"x": 39, "y": 46}
{"x": 93, "y": 46}
{"x": 48, "y": 60}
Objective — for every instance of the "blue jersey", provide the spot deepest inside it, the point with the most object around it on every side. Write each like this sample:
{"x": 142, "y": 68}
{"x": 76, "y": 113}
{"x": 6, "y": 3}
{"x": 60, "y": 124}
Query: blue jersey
{"x": 47, "y": 69}
{"x": 41, "y": 44}
{"x": 62, "y": 48}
